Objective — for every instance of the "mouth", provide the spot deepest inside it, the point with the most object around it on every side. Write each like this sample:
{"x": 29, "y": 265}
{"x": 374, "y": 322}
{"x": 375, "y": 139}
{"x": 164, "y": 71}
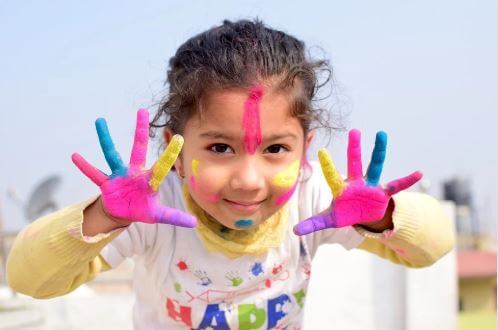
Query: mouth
{"x": 245, "y": 207}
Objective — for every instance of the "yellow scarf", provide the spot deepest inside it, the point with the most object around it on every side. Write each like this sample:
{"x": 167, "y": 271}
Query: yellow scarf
{"x": 236, "y": 243}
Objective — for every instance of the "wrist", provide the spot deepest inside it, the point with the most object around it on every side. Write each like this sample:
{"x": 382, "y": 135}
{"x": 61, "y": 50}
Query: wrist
{"x": 110, "y": 218}
{"x": 386, "y": 223}
{"x": 96, "y": 220}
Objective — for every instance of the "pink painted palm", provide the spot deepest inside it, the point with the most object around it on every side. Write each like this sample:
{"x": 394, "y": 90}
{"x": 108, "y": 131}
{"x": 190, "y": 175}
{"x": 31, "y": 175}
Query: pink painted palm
{"x": 131, "y": 193}
{"x": 359, "y": 199}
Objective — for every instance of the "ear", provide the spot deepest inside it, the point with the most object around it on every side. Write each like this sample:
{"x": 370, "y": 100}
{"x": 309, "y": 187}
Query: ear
{"x": 308, "y": 140}
{"x": 168, "y": 134}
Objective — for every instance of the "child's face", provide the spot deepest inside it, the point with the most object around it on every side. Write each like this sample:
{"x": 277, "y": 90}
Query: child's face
{"x": 235, "y": 177}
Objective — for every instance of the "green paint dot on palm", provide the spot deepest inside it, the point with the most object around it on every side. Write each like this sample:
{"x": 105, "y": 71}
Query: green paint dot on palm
{"x": 178, "y": 287}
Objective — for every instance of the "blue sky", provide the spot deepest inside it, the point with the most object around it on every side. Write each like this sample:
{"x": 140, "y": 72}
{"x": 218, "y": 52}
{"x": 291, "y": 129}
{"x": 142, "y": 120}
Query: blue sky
{"x": 425, "y": 72}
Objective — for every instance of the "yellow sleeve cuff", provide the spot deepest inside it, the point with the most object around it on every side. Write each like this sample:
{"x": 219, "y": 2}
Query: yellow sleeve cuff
{"x": 422, "y": 232}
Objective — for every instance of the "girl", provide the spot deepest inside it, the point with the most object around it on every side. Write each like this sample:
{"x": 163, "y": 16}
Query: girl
{"x": 226, "y": 241}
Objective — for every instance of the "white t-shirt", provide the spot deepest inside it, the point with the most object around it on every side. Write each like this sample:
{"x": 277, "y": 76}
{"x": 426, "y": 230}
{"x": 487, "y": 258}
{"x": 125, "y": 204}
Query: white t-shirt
{"x": 179, "y": 284}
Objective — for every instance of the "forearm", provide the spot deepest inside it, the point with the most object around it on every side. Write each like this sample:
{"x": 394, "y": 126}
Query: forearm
{"x": 51, "y": 257}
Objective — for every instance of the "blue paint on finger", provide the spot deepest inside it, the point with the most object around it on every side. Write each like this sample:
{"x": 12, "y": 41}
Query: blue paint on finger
{"x": 377, "y": 161}
{"x": 110, "y": 153}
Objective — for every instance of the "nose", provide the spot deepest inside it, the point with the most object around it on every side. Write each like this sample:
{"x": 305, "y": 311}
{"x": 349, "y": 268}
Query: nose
{"x": 247, "y": 175}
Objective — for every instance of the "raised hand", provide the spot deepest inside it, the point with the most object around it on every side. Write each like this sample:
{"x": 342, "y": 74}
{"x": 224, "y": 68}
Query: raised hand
{"x": 358, "y": 199}
{"x": 131, "y": 193}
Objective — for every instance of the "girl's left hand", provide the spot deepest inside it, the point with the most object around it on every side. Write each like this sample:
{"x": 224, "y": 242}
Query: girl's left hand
{"x": 357, "y": 200}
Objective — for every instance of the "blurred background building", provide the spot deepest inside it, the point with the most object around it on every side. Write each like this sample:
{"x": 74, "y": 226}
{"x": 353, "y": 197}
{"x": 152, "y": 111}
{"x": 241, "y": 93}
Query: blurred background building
{"x": 476, "y": 259}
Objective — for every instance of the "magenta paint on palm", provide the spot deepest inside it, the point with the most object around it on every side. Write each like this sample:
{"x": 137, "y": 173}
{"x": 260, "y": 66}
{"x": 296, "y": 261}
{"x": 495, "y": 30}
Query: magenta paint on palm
{"x": 128, "y": 195}
{"x": 250, "y": 121}
{"x": 359, "y": 202}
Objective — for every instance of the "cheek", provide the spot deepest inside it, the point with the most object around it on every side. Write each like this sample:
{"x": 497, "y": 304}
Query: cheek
{"x": 286, "y": 182}
{"x": 287, "y": 177}
{"x": 202, "y": 183}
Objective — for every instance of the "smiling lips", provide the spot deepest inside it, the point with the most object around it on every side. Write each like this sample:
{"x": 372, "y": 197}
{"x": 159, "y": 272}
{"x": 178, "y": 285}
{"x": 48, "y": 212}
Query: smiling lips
{"x": 243, "y": 206}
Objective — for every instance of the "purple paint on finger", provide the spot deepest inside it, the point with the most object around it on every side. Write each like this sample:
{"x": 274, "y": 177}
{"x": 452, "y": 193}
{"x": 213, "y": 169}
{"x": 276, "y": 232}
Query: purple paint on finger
{"x": 250, "y": 120}
{"x": 175, "y": 217}
{"x": 315, "y": 223}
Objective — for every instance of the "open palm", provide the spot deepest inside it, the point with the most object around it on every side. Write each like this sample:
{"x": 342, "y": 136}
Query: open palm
{"x": 131, "y": 193}
{"x": 358, "y": 199}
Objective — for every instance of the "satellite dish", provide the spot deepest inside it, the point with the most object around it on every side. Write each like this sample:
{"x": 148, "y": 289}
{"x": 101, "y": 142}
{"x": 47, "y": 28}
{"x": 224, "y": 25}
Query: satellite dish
{"x": 41, "y": 199}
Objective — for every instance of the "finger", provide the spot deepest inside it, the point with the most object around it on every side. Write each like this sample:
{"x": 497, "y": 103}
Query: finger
{"x": 355, "y": 170}
{"x": 315, "y": 223}
{"x": 111, "y": 155}
{"x": 166, "y": 161}
{"x": 334, "y": 179}
{"x": 174, "y": 217}
{"x": 139, "y": 150}
{"x": 396, "y": 186}
{"x": 89, "y": 170}
{"x": 378, "y": 156}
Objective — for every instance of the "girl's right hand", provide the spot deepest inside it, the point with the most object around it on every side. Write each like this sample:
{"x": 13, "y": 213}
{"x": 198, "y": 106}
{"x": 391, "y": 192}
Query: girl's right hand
{"x": 131, "y": 193}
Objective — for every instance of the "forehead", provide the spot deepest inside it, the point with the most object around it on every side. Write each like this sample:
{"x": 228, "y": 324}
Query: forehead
{"x": 224, "y": 110}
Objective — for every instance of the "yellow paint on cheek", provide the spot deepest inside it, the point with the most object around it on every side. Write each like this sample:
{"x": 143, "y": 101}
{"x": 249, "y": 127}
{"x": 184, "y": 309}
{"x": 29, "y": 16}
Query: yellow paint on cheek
{"x": 288, "y": 177}
{"x": 195, "y": 167}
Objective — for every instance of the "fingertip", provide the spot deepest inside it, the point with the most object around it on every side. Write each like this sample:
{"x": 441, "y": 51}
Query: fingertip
{"x": 76, "y": 158}
{"x": 381, "y": 137}
{"x": 99, "y": 122}
{"x": 297, "y": 230}
{"x": 354, "y": 133}
{"x": 323, "y": 156}
{"x": 178, "y": 138}
{"x": 304, "y": 227}
{"x": 418, "y": 175}
{"x": 142, "y": 115}
{"x": 188, "y": 222}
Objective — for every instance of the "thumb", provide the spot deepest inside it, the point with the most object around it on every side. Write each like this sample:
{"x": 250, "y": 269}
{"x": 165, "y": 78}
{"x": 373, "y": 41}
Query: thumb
{"x": 317, "y": 222}
{"x": 175, "y": 217}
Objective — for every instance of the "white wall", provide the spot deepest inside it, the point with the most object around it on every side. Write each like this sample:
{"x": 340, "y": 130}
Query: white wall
{"x": 357, "y": 290}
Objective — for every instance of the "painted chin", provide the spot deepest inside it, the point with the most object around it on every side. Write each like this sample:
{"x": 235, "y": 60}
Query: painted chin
{"x": 244, "y": 223}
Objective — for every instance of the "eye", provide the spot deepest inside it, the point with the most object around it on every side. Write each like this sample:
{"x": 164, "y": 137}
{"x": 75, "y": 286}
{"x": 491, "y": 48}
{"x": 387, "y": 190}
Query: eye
{"x": 221, "y": 148}
{"x": 276, "y": 149}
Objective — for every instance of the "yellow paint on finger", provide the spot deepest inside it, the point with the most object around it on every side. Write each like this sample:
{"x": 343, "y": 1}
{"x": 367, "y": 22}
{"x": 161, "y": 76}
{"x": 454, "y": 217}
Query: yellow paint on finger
{"x": 288, "y": 177}
{"x": 334, "y": 179}
{"x": 166, "y": 161}
{"x": 195, "y": 167}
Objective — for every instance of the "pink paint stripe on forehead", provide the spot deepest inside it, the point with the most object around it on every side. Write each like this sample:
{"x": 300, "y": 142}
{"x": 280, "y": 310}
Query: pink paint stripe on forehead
{"x": 250, "y": 121}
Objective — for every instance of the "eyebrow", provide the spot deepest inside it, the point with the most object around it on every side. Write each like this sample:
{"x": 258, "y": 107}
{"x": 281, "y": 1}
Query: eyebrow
{"x": 219, "y": 135}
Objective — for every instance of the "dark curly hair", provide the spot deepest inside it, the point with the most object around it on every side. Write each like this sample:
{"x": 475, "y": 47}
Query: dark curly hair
{"x": 241, "y": 54}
